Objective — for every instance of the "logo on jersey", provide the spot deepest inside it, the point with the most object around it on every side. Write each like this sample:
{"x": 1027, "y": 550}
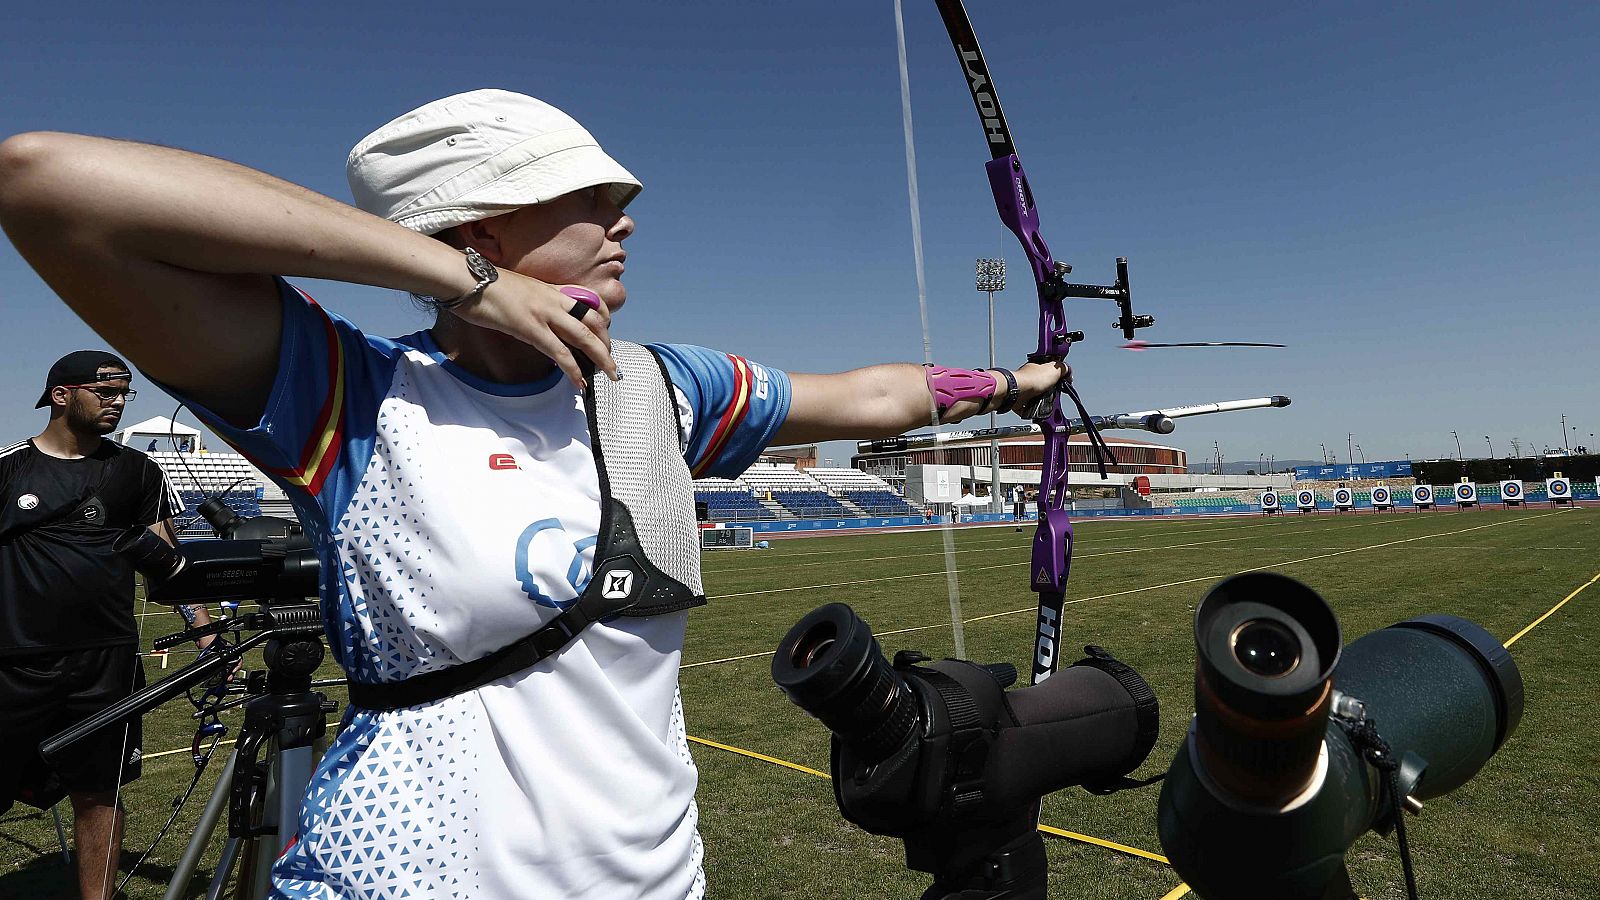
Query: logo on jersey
{"x": 556, "y": 539}
{"x": 28, "y": 501}
{"x": 499, "y": 461}
{"x": 618, "y": 585}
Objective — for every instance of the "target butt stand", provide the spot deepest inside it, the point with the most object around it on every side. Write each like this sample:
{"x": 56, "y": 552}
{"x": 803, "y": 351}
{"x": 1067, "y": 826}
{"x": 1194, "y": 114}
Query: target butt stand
{"x": 1383, "y": 498}
{"x": 1511, "y": 493}
{"x": 1422, "y": 496}
{"x": 1270, "y": 503}
{"x": 1558, "y": 490}
{"x": 1344, "y": 500}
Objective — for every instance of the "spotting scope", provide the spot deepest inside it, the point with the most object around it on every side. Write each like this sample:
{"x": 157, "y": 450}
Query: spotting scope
{"x": 1300, "y": 745}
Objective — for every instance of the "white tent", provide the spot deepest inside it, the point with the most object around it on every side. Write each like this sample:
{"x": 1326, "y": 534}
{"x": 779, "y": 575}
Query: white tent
{"x": 162, "y": 431}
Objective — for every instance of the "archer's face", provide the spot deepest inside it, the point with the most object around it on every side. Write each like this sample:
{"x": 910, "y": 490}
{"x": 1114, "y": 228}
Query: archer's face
{"x": 87, "y": 413}
{"x": 574, "y": 239}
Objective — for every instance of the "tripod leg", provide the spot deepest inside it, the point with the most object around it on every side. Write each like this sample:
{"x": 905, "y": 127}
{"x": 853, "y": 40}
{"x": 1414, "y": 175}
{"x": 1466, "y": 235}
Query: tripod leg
{"x": 61, "y": 834}
{"x": 219, "y": 880}
{"x": 288, "y": 775}
{"x": 183, "y": 872}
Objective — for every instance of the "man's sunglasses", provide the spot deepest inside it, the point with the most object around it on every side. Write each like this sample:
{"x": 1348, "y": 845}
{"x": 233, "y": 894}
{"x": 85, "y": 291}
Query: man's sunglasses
{"x": 106, "y": 394}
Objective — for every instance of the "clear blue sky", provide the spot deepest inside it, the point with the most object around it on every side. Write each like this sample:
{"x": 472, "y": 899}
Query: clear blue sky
{"x": 1404, "y": 193}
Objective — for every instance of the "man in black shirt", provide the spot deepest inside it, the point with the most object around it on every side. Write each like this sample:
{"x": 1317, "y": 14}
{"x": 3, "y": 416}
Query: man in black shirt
{"x": 68, "y": 640}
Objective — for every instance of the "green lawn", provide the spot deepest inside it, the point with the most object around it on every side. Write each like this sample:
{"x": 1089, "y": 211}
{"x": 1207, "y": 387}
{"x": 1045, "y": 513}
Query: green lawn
{"x": 1525, "y": 827}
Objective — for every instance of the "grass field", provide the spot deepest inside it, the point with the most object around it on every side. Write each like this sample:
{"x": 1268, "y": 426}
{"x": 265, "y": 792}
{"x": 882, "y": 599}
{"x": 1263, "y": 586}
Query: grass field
{"x": 1527, "y": 826}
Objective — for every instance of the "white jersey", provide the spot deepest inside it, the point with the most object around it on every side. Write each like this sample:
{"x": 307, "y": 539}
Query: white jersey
{"x": 452, "y": 517}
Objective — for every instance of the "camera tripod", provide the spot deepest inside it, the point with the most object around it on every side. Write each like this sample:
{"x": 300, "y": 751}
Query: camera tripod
{"x": 267, "y": 773}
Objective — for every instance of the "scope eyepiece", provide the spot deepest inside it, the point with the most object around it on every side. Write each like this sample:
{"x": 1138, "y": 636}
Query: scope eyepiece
{"x": 1266, "y": 647}
{"x": 830, "y": 665}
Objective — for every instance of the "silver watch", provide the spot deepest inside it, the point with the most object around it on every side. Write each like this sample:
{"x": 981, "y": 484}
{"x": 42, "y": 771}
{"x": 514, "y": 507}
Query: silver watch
{"x": 481, "y": 269}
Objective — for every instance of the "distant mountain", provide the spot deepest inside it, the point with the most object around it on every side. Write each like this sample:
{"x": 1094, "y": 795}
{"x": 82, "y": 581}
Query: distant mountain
{"x": 1244, "y": 467}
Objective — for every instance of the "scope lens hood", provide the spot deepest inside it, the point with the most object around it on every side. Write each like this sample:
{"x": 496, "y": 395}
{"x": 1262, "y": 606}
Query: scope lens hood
{"x": 1498, "y": 667}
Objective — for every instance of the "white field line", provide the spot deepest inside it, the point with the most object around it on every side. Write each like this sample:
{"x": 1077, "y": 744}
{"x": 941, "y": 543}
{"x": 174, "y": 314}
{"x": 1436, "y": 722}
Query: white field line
{"x": 1012, "y": 565}
{"x": 986, "y": 548}
{"x": 1153, "y": 587}
{"x": 1077, "y": 524}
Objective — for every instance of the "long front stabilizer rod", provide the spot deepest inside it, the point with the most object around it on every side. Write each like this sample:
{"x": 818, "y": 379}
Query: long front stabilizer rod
{"x": 1157, "y": 421}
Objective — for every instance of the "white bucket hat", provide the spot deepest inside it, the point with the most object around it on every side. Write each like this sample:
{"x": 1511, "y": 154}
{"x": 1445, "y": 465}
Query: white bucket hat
{"x": 476, "y": 155}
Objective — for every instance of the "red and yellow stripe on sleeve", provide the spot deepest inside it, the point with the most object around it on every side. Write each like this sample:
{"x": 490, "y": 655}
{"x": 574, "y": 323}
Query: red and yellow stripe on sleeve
{"x": 738, "y": 407}
{"x": 321, "y": 449}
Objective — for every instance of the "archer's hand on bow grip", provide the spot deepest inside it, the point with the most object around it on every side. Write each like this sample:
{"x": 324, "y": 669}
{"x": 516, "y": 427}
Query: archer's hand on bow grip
{"x": 1037, "y": 385}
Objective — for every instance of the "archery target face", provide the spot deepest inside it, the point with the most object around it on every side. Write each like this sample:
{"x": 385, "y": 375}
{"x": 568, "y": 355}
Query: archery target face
{"x": 1342, "y": 497}
{"x": 1422, "y": 494}
{"x": 1510, "y": 490}
{"x": 1466, "y": 493}
{"x": 1380, "y": 496}
{"x": 1269, "y": 500}
{"x": 1306, "y": 500}
{"x": 1558, "y": 488}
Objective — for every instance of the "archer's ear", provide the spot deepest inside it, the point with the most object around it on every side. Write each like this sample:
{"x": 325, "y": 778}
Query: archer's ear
{"x": 484, "y": 237}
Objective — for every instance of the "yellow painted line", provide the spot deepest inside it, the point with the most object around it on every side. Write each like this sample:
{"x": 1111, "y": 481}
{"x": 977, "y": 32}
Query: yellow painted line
{"x": 1102, "y": 842}
{"x": 1176, "y": 892}
{"x": 1535, "y": 623}
{"x": 158, "y": 755}
{"x": 1047, "y": 829}
{"x": 754, "y": 755}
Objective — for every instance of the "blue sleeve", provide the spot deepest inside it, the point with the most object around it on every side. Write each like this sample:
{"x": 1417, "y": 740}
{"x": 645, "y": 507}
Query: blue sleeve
{"x": 729, "y": 408}
{"x": 316, "y": 430}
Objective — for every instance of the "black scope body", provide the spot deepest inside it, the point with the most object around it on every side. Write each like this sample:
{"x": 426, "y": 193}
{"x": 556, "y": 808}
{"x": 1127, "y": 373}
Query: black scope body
{"x": 261, "y": 558}
{"x": 941, "y": 755}
{"x": 1272, "y": 785}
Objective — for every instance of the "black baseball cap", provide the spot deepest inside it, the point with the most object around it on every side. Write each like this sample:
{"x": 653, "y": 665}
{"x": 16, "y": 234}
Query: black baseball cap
{"x": 82, "y": 367}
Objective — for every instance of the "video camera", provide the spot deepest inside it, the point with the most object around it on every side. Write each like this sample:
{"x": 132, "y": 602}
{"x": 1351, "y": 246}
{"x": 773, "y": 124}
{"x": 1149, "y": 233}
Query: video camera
{"x": 1298, "y": 747}
{"x": 941, "y": 755}
{"x": 265, "y": 558}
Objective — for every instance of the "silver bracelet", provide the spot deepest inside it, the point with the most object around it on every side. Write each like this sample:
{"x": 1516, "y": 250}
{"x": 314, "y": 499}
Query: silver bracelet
{"x": 481, "y": 269}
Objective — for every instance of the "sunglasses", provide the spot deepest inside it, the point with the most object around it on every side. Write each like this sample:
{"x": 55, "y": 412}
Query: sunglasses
{"x": 106, "y": 394}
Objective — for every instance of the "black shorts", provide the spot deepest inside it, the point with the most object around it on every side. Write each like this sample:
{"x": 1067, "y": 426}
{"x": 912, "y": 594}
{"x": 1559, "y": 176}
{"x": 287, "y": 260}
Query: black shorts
{"x": 41, "y": 696}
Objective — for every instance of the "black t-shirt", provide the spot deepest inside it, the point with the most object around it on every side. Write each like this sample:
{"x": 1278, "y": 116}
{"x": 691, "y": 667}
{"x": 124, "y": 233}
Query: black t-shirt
{"x": 61, "y": 585}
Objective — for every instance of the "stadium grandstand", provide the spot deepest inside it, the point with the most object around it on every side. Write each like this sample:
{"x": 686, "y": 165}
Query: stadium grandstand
{"x": 772, "y": 490}
{"x": 198, "y": 474}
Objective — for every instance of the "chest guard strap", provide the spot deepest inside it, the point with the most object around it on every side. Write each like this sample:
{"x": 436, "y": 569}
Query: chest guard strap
{"x": 647, "y": 558}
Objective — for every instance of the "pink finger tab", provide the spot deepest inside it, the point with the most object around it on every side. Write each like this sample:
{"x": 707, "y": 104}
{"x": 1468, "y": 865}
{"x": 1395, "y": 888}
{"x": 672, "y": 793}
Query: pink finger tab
{"x": 581, "y": 294}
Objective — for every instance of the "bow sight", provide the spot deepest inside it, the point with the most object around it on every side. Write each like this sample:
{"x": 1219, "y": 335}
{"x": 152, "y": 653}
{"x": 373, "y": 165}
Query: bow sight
{"x": 1127, "y": 322}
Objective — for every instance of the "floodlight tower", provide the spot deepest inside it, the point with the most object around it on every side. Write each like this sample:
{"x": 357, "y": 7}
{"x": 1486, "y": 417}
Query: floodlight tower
{"x": 991, "y": 279}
